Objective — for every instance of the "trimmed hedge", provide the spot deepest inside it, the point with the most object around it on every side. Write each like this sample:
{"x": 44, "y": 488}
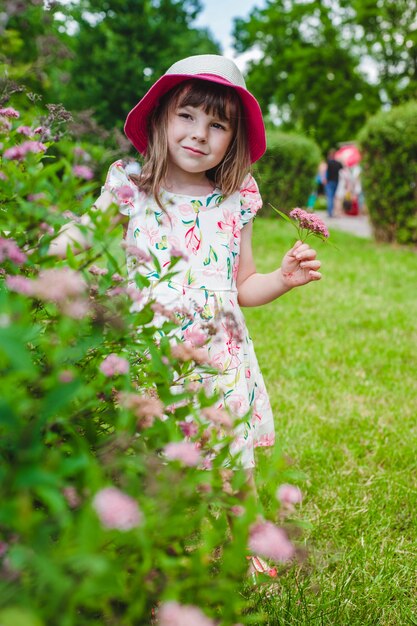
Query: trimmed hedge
{"x": 389, "y": 145}
{"x": 286, "y": 173}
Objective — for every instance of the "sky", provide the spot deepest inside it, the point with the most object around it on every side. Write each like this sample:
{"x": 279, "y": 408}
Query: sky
{"x": 217, "y": 15}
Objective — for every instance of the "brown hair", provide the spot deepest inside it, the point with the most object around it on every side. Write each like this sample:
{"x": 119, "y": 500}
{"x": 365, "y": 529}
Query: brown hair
{"x": 220, "y": 100}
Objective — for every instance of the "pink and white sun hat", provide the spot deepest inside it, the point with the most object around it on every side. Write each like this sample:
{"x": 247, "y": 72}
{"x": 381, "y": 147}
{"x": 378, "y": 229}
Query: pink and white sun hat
{"x": 210, "y": 67}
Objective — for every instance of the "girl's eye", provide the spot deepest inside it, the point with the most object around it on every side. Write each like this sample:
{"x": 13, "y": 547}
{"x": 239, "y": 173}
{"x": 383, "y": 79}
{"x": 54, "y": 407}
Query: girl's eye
{"x": 186, "y": 116}
{"x": 220, "y": 126}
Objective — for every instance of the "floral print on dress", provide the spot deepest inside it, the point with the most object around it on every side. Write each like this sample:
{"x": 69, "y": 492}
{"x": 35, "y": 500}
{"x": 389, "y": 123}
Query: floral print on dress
{"x": 205, "y": 233}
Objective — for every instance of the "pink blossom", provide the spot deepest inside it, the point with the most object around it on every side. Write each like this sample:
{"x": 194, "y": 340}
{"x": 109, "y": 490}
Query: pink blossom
{"x": 19, "y": 152}
{"x": 98, "y": 271}
{"x": 10, "y": 250}
{"x": 24, "y": 130}
{"x": 46, "y": 228}
{"x": 141, "y": 256}
{"x": 175, "y": 614}
{"x": 310, "y": 221}
{"x": 183, "y": 451}
{"x": 114, "y": 365}
{"x": 83, "y": 171}
{"x": 177, "y": 253}
{"x": 186, "y": 352}
{"x": 217, "y": 416}
{"x": 115, "y": 291}
{"x": 116, "y": 509}
{"x": 237, "y": 510}
{"x": 124, "y": 193}
{"x": 288, "y": 494}
{"x": 66, "y": 376}
{"x": 34, "y": 197}
{"x": 9, "y": 112}
{"x": 77, "y": 309}
{"x": 81, "y": 153}
{"x": 5, "y": 125}
{"x": 71, "y": 496}
{"x": 188, "y": 429}
{"x": 58, "y": 284}
{"x": 145, "y": 407}
{"x": 134, "y": 294}
{"x": 19, "y": 284}
{"x": 117, "y": 278}
{"x": 270, "y": 542}
{"x": 195, "y": 336}
{"x": 3, "y": 176}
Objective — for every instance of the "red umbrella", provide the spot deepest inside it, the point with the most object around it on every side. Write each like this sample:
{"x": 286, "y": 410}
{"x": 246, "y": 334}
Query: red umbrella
{"x": 348, "y": 155}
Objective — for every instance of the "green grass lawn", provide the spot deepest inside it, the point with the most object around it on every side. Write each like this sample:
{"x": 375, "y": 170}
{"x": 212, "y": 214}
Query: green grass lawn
{"x": 340, "y": 362}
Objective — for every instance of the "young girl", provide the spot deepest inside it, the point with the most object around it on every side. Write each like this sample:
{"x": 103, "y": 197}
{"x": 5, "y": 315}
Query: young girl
{"x": 199, "y": 130}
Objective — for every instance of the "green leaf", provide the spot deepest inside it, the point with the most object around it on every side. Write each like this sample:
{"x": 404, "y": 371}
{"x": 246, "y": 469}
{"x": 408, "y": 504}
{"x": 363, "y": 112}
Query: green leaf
{"x": 59, "y": 397}
{"x": 16, "y": 616}
{"x": 13, "y": 345}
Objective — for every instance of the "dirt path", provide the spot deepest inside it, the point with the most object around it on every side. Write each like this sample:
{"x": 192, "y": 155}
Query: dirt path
{"x": 358, "y": 225}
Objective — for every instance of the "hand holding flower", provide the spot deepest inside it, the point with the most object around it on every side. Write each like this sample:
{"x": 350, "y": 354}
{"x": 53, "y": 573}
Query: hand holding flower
{"x": 300, "y": 266}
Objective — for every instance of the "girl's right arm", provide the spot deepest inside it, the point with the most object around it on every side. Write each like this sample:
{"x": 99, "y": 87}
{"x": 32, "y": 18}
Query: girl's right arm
{"x": 71, "y": 235}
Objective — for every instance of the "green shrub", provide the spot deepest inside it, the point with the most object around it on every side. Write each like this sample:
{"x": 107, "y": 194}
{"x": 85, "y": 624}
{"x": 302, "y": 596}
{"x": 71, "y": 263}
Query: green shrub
{"x": 97, "y": 524}
{"x": 389, "y": 146}
{"x": 286, "y": 173}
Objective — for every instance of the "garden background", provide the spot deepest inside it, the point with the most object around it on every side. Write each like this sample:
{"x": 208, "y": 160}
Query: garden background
{"x": 339, "y": 357}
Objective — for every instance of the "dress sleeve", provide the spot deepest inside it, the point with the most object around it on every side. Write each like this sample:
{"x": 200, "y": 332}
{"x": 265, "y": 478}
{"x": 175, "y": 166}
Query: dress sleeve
{"x": 124, "y": 191}
{"x": 250, "y": 199}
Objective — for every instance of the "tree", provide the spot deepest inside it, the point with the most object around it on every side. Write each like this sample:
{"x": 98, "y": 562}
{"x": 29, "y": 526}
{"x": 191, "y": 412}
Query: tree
{"x": 306, "y": 72}
{"x": 388, "y": 34}
{"x": 121, "y": 46}
{"x": 31, "y": 45}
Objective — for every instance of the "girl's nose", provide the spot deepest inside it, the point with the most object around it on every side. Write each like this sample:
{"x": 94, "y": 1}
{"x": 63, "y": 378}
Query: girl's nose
{"x": 200, "y": 133}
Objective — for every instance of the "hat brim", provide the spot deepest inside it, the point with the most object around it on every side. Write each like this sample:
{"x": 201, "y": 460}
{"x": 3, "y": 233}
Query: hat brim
{"x": 136, "y": 126}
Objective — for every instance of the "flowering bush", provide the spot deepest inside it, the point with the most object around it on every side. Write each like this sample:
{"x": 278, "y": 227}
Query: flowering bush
{"x": 107, "y": 505}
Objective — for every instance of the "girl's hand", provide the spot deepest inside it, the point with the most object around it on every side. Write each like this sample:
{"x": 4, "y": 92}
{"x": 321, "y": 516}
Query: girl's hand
{"x": 300, "y": 266}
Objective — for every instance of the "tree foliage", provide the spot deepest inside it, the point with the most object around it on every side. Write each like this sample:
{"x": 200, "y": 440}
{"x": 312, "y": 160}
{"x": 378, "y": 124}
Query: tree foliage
{"x": 312, "y": 64}
{"x": 119, "y": 47}
{"x": 388, "y": 34}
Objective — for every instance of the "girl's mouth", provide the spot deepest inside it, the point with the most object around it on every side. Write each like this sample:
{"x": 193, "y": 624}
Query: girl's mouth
{"x": 194, "y": 151}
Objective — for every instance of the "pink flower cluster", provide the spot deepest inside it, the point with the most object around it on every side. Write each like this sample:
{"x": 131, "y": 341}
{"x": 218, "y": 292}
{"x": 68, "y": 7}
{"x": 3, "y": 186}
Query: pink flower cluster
{"x": 146, "y": 408}
{"x": 116, "y": 509}
{"x": 64, "y": 286}
{"x": 311, "y": 222}
{"x": 83, "y": 171}
{"x": 11, "y": 251}
{"x": 9, "y": 112}
{"x": 183, "y": 451}
{"x": 270, "y": 542}
{"x": 175, "y": 614}
{"x": 289, "y": 495}
{"x": 114, "y": 365}
{"x": 187, "y": 352}
{"x": 19, "y": 152}
{"x": 25, "y": 130}
{"x": 217, "y": 416}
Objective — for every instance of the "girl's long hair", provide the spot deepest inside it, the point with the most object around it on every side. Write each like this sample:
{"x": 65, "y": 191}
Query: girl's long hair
{"x": 219, "y": 100}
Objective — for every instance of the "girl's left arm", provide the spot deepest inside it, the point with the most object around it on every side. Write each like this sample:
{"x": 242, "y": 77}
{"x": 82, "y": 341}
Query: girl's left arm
{"x": 299, "y": 267}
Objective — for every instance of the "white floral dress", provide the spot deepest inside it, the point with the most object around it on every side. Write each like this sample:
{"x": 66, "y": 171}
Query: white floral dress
{"x": 206, "y": 230}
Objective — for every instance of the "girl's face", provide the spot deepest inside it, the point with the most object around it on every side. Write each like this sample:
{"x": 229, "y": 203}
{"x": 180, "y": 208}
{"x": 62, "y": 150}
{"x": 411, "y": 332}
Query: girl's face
{"x": 197, "y": 141}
